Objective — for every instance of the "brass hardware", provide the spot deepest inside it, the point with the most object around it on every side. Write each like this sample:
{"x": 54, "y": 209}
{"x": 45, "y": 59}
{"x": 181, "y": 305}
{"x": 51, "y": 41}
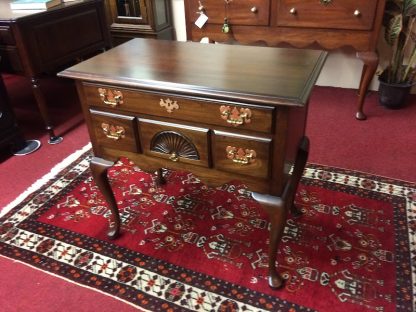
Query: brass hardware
{"x": 201, "y": 7}
{"x": 240, "y": 156}
{"x": 113, "y": 132}
{"x": 225, "y": 27}
{"x": 325, "y": 2}
{"x": 292, "y": 11}
{"x": 357, "y": 13}
{"x": 111, "y": 98}
{"x": 174, "y": 157}
{"x": 169, "y": 105}
{"x": 254, "y": 9}
{"x": 235, "y": 116}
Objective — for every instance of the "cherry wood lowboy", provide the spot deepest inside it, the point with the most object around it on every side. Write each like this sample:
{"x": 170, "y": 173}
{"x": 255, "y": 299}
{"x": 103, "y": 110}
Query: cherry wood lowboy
{"x": 208, "y": 109}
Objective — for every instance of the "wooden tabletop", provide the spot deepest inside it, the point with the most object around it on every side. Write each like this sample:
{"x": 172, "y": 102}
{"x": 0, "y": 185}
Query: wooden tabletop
{"x": 262, "y": 75}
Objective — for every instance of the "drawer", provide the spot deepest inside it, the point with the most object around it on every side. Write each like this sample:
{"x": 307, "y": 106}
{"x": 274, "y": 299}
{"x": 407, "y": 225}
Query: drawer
{"x": 249, "y": 117}
{"x": 178, "y": 143}
{"x": 253, "y": 12}
{"x": 6, "y": 36}
{"x": 114, "y": 130}
{"x": 240, "y": 154}
{"x": 346, "y": 14}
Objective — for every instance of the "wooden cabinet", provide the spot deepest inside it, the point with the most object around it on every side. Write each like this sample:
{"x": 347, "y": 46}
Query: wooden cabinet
{"x": 203, "y": 108}
{"x": 139, "y": 18}
{"x": 35, "y": 43}
{"x": 9, "y": 131}
{"x": 327, "y": 24}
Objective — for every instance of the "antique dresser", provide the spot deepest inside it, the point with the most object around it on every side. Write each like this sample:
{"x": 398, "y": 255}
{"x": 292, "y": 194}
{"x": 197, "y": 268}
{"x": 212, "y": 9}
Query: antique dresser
{"x": 328, "y": 24}
{"x": 203, "y": 108}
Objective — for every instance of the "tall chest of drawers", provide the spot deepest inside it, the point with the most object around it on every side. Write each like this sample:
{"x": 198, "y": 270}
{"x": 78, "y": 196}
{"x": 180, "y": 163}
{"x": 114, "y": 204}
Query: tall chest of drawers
{"x": 327, "y": 24}
{"x": 205, "y": 109}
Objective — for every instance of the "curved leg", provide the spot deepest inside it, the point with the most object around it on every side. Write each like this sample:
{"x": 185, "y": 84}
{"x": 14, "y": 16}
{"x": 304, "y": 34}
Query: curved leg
{"x": 370, "y": 60}
{"x": 160, "y": 180}
{"x": 277, "y": 211}
{"x": 300, "y": 163}
{"x": 277, "y": 225}
{"x": 277, "y": 208}
{"x": 99, "y": 169}
{"x": 295, "y": 211}
{"x": 40, "y": 100}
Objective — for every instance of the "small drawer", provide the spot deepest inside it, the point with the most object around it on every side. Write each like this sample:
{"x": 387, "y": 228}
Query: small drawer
{"x": 240, "y": 116}
{"x": 253, "y": 12}
{"x": 6, "y": 36}
{"x": 114, "y": 130}
{"x": 244, "y": 155}
{"x": 175, "y": 142}
{"x": 346, "y": 14}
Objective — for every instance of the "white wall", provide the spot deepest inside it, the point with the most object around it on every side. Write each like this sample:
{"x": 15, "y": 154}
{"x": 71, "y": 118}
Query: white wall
{"x": 342, "y": 69}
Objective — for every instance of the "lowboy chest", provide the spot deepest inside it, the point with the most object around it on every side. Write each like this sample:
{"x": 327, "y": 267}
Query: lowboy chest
{"x": 203, "y": 108}
{"x": 326, "y": 24}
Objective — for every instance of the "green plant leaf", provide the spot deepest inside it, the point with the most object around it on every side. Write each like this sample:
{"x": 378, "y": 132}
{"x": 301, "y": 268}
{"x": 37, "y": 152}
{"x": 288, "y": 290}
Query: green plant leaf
{"x": 409, "y": 7}
{"x": 393, "y": 29}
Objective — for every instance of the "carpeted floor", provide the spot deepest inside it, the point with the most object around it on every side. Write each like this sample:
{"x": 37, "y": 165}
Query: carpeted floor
{"x": 379, "y": 145}
{"x": 350, "y": 251}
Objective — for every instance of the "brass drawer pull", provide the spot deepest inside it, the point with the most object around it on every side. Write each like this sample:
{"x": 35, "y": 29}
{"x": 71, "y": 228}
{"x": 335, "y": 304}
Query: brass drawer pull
{"x": 292, "y": 11}
{"x": 240, "y": 155}
{"x": 111, "y": 98}
{"x": 169, "y": 105}
{"x": 113, "y": 132}
{"x": 254, "y": 10}
{"x": 357, "y": 13}
{"x": 235, "y": 116}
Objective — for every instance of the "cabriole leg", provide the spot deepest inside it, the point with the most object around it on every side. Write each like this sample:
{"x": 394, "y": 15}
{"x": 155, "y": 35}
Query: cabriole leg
{"x": 160, "y": 179}
{"x": 370, "y": 60}
{"x": 278, "y": 207}
{"x": 99, "y": 169}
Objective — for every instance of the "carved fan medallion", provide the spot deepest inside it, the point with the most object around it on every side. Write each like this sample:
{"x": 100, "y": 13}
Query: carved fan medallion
{"x": 174, "y": 144}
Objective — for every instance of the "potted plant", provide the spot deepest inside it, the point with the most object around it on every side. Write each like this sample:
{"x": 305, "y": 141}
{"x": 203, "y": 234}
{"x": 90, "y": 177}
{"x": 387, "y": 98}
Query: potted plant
{"x": 400, "y": 33}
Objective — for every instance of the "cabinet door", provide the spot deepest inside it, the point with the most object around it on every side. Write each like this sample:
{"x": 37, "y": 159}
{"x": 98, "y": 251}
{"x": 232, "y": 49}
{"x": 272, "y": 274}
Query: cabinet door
{"x": 129, "y": 11}
{"x": 241, "y": 12}
{"x": 346, "y": 14}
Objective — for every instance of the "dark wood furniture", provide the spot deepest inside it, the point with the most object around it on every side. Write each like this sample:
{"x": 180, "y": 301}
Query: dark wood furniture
{"x": 11, "y": 137}
{"x": 328, "y": 24}
{"x": 34, "y": 44}
{"x": 204, "y": 108}
{"x": 9, "y": 131}
{"x": 135, "y": 19}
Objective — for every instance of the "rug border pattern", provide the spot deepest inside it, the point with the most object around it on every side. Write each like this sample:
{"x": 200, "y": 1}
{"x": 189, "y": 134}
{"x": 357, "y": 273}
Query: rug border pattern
{"x": 384, "y": 186}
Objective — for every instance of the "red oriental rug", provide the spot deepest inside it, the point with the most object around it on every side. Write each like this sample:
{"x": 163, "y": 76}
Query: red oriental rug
{"x": 187, "y": 247}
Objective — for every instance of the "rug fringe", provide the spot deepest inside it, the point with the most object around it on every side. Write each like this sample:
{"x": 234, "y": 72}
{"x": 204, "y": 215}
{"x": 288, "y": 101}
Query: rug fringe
{"x": 36, "y": 185}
